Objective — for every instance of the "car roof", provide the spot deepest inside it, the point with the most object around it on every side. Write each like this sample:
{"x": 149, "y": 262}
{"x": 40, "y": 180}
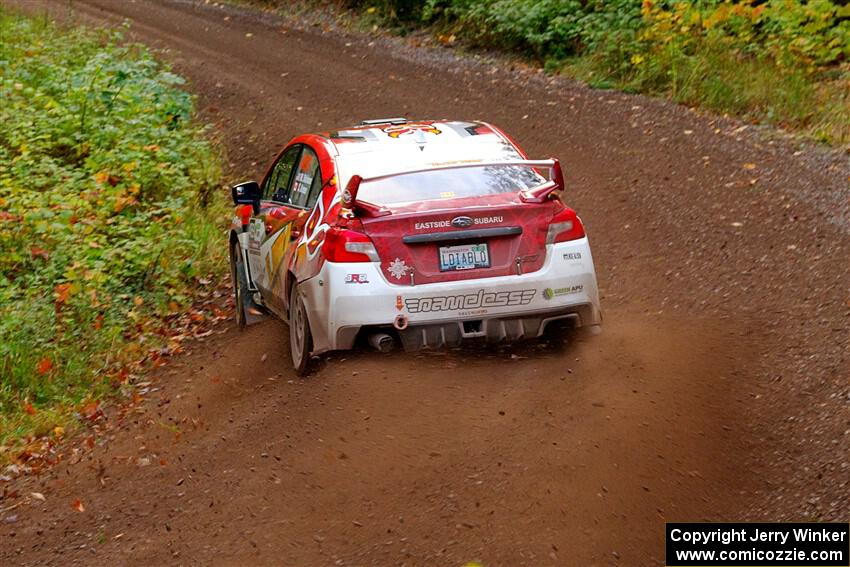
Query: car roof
{"x": 417, "y": 136}
{"x": 396, "y": 145}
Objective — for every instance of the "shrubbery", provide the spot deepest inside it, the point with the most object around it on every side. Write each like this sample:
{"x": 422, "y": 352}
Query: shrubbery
{"x": 102, "y": 232}
{"x": 785, "y": 61}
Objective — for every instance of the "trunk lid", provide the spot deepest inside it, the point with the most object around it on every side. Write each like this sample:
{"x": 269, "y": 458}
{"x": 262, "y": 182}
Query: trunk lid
{"x": 460, "y": 239}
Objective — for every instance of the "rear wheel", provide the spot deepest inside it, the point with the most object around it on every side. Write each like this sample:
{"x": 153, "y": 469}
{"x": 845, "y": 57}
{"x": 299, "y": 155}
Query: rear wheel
{"x": 241, "y": 295}
{"x": 300, "y": 338}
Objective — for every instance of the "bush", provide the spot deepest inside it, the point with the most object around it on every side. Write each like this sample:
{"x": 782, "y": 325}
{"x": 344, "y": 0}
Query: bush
{"x": 396, "y": 10}
{"x": 101, "y": 235}
{"x": 547, "y": 29}
{"x": 783, "y": 61}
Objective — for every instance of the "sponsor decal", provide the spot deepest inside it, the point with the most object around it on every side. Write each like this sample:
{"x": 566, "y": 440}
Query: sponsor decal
{"x": 356, "y": 278}
{"x": 477, "y": 300}
{"x": 572, "y": 256}
{"x": 473, "y": 312}
{"x": 432, "y": 224}
{"x": 401, "y": 129}
{"x": 549, "y": 293}
{"x": 454, "y": 162}
{"x": 398, "y": 268}
{"x": 447, "y": 223}
{"x": 256, "y": 232}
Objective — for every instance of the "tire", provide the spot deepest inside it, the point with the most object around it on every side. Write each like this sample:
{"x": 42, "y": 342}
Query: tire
{"x": 241, "y": 295}
{"x": 300, "y": 337}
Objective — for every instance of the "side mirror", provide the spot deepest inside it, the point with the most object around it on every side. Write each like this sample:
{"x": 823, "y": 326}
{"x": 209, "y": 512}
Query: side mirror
{"x": 247, "y": 193}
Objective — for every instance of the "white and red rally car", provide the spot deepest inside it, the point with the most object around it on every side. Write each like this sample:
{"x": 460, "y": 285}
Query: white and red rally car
{"x": 426, "y": 232}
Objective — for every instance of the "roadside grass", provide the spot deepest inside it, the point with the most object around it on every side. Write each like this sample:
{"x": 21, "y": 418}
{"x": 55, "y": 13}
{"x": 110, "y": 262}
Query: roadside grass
{"x": 109, "y": 218}
{"x": 724, "y": 81}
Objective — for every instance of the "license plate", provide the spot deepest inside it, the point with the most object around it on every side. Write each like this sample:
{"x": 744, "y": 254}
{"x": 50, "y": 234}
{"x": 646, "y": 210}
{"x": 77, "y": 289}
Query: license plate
{"x": 464, "y": 257}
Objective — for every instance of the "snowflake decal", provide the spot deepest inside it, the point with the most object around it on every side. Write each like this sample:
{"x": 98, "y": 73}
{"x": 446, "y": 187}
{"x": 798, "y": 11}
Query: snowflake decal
{"x": 398, "y": 268}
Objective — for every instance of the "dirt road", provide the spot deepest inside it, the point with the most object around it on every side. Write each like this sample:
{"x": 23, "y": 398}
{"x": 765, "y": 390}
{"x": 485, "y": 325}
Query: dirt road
{"x": 718, "y": 389}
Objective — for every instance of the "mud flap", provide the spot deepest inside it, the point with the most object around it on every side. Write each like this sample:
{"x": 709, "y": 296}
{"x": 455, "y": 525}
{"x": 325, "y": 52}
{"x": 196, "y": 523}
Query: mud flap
{"x": 253, "y": 311}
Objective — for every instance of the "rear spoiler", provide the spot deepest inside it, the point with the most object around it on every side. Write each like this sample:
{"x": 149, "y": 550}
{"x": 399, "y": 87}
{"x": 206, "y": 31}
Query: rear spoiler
{"x": 538, "y": 194}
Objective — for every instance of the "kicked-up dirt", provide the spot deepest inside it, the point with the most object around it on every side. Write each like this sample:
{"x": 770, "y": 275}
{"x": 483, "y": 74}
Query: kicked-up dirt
{"x": 718, "y": 389}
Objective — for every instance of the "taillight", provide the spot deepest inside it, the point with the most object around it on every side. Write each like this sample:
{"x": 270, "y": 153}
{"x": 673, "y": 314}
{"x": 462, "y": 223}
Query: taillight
{"x": 344, "y": 245}
{"x": 564, "y": 226}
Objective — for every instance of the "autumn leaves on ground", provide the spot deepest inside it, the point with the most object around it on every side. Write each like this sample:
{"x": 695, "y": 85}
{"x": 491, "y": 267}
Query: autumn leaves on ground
{"x": 716, "y": 391}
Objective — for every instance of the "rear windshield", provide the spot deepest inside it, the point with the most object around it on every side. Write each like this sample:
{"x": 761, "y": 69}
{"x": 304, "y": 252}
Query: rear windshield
{"x": 449, "y": 184}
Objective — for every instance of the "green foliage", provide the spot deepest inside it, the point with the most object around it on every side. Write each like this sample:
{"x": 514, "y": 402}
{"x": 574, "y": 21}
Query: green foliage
{"x": 101, "y": 232}
{"x": 790, "y": 32}
{"x": 548, "y": 29}
{"x": 392, "y": 10}
{"x": 783, "y": 61}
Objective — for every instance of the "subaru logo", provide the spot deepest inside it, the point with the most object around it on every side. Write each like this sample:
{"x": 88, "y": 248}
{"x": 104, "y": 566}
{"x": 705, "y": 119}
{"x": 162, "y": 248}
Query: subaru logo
{"x": 462, "y": 222}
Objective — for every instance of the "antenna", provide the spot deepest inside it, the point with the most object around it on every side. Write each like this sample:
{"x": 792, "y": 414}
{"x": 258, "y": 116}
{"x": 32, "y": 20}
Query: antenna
{"x": 375, "y": 121}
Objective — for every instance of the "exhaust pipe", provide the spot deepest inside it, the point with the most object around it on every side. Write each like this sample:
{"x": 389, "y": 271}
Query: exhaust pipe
{"x": 381, "y": 342}
{"x": 400, "y": 322}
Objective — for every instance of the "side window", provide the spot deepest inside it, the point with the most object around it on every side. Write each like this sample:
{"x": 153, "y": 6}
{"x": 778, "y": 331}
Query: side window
{"x": 277, "y": 185}
{"x": 307, "y": 176}
{"x": 315, "y": 190}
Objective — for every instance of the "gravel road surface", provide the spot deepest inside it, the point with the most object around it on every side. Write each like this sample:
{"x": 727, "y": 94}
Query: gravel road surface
{"x": 718, "y": 389}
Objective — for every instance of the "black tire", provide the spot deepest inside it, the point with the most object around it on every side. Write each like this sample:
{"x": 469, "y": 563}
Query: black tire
{"x": 300, "y": 337}
{"x": 241, "y": 295}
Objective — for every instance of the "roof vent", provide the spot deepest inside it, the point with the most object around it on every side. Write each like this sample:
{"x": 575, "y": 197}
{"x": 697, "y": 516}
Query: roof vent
{"x": 376, "y": 121}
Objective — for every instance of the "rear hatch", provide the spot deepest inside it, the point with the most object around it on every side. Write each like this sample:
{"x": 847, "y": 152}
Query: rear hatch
{"x": 457, "y": 223}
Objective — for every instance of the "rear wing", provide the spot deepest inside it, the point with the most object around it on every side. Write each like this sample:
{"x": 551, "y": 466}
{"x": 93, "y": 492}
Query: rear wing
{"x": 537, "y": 194}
